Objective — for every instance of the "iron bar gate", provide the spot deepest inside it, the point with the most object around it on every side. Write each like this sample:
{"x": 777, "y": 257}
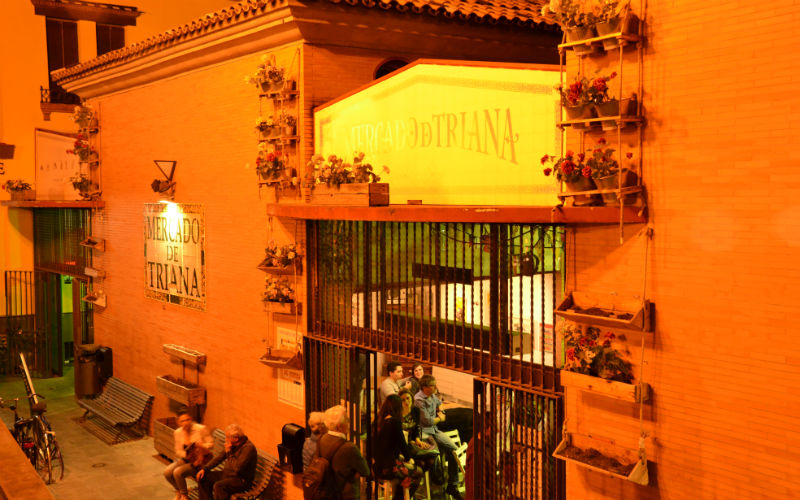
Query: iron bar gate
{"x": 477, "y": 298}
{"x": 20, "y": 334}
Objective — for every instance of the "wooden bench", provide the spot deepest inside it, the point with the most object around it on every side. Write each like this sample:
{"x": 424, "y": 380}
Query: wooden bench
{"x": 120, "y": 404}
{"x": 267, "y": 481}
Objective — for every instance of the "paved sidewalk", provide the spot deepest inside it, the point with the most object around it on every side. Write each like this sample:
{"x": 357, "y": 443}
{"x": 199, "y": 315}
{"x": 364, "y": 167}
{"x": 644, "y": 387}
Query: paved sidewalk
{"x": 92, "y": 468}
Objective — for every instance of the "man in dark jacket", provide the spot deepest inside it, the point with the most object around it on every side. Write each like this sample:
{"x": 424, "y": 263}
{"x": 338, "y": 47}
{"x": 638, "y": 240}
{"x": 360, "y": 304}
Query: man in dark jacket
{"x": 240, "y": 458}
{"x": 345, "y": 459}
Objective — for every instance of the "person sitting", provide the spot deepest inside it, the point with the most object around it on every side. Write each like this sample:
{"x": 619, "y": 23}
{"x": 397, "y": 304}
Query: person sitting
{"x": 317, "y": 425}
{"x": 190, "y": 438}
{"x": 391, "y": 385}
{"x": 423, "y": 451}
{"x": 240, "y": 458}
{"x": 430, "y": 415}
{"x": 392, "y": 446}
{"x": 417, "y": 371}
{"x": 346, "y": 460}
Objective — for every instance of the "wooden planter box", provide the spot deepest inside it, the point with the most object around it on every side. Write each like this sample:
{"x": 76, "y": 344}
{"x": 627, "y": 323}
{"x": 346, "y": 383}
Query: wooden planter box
{"x": 283, "y": 358}
{"x": 94, "y": 243}
{"x": 282, "y": 307}
{"x": 362, "y": 194}
{"x": 618, "y": 390}
{"x": 94, "y": 273}
{"x": 26, "y": 195}
{"x": 605, "y": 452}
{"x": 607, "y": 310}
{"x": 95, "y": 297}
{"x": 181, "y": 391}
{"x": 185, "y": 354}
{"x": 295, "y": 267}
{"x": 164, "y": 436}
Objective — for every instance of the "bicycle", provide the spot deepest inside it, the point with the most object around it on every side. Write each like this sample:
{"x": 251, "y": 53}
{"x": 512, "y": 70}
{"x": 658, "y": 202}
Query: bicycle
{"x": 49, "y": 462}
{"x": 22, "y": 431}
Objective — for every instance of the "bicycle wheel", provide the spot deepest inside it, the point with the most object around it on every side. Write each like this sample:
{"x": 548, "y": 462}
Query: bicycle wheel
{"x": 42, "y": 442}
{"x": 56, "y": 460}
{"x": 23, "y": 434}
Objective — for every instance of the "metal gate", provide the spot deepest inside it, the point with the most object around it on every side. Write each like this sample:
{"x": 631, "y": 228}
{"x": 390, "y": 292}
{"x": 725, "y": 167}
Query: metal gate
{"x": 516, "y": 432}
{"x": 19, "y": 334}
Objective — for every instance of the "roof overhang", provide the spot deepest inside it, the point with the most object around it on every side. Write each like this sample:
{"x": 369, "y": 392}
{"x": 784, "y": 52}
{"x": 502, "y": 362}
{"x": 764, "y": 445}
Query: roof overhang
{"x": 77, "y": 10}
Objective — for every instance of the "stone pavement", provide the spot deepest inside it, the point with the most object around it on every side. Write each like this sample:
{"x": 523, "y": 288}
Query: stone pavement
{"x": 92, "y": 468}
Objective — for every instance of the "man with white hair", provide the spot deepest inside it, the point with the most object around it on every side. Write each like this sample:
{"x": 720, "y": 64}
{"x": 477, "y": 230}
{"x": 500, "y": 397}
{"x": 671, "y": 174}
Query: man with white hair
{"x": 346, "y": 460}
{"x": 240, "y": 458}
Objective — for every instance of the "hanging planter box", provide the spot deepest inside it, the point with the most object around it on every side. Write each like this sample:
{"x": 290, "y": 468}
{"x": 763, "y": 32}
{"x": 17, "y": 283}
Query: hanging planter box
{"x": 95, "y": 297}
{"x": 359, "y": 194}
{"x": 606, "y": 310}
{"x": 295, "y": 267}
{"x": 184, "y": 353}
{"x": 283, "y": 358}
{"x": 634, "y": 393}
{"x": 24, "y": 195}
{"x": 277, "y": 193}
{"x": 180, "y": 390}
{"x": 604, "y": 456}
{"x": 164, "y": 436}
{"x": 94, "y": 273}
{"x": 282, "y": 307}
{"x": 94, "y": 243}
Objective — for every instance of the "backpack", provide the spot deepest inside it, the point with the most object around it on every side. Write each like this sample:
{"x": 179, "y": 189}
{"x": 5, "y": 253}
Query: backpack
{"x": 319, "y": 482}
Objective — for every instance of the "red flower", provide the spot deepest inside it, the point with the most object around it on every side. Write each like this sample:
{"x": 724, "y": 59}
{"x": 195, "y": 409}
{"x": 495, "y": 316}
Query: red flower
{"x": 567, "y": 167}
{"x": 270, "y": 157}
{"x": 610, "y": 336}
{"x": 545, "y": 159}
{"x": 587, "y": 171}
{"x": 547, "y": 171}
{"x": 612, "y": 75}
{"x": 569, "y": 154}
{"x": 629, "y": 155}
{"x": 581, "y": 156}
{"x": 606, "y": 343}
{"x": 571, "y": 354}
{"x": 601, "y": 140}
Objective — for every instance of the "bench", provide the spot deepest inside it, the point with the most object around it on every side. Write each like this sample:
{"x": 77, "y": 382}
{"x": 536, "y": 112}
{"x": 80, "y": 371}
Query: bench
{"x": 267, "y": 478}
{"x": 120, "y": 404}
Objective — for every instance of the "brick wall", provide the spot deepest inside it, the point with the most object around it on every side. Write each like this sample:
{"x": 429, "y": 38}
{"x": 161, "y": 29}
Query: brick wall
{"x": 722, "y": 184}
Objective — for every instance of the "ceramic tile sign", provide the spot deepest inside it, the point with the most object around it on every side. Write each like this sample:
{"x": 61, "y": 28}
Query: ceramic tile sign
{"x": 174, "y": 254}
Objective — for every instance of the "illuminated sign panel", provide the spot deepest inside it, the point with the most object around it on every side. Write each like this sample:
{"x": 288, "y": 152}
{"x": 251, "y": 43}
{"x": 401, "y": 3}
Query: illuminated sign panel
{"x": 174, "y": 254}
{"x": 452, "y": 134}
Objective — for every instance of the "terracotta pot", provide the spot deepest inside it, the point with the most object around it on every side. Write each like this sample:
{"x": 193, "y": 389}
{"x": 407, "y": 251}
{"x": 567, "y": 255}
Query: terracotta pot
{"x": 288, "y": 130}
{"x": 629, "y": 178}
{"x": 583, "y": 184}
{"x": 578, "y": 34}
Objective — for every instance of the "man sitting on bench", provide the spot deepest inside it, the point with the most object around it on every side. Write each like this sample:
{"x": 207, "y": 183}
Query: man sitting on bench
{"x": 240, "y": 458}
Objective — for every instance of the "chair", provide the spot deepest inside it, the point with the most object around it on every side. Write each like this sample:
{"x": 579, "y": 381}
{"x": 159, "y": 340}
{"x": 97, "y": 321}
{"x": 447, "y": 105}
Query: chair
{"x": 461, "y": 456}
{"x": 387, "y": 486}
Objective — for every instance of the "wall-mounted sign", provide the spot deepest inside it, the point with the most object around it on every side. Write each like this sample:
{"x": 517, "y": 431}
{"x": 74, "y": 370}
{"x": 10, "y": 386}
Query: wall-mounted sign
{"x": 54, "y": 166}
{"x": 452, "y": 133}
{"x": 174, "y": 254}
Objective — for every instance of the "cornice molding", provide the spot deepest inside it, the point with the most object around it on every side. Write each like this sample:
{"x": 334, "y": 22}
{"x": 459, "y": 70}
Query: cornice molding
{"x": 77, "y": 10}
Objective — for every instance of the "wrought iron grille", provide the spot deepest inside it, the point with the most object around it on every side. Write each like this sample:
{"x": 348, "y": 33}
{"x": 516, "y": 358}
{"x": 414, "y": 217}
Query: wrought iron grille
{"x": 477, "y": 298}
{"x": 57, "y": 237}
{"x": 20, "y": 334}
{"x": 516, "y": 434}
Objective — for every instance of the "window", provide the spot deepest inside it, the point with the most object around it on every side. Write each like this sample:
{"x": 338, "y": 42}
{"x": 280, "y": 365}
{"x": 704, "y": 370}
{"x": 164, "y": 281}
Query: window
{"x": 388, "y": 66}
{"x": 62, "y": 43}
{"x": 109, "y": 38}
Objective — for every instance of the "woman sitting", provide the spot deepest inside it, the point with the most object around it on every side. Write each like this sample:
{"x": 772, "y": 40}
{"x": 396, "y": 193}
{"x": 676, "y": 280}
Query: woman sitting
{"x": 423, "y": 451}
{"x": 393, "y": 455}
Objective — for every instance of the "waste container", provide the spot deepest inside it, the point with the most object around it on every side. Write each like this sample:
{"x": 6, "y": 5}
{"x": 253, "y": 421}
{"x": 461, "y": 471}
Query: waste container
{"x": 105, "y": 363}
{"x": 290, "y": 451}
{"x": 87, "y": 376}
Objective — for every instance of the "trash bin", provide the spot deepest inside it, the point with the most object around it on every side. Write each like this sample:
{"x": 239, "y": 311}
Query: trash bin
{"x": 105, "y": 363}
{"x": 290, "y": 451}
{"x": 87, "y": 379}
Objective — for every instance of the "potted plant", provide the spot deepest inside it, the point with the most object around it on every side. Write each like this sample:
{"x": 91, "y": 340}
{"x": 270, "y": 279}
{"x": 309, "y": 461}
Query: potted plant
{"x": 606, "y": 106}
{"x": 83, "y": 184}
{"x": 572, "y": 170}
{"x": 614, "y": 16}
{"x": 279, "y": 257}
{"x": 268, "y": 76}
{"x": 84, "y": 117}
{"x": 269, "y": 164}
{"x": 288, "y": 123}
{"x": 606, "y": 173}
{"x": 19, "y": 190}
{"x": 338, "y": 182}
{"x": 267, "y": 127}
{"x": 82, "y": 148}
{"x": 278, "y": 295}
{"x": 591, "y": 353}
{"x": 576, "y": 17}
{"x": 575, "y": 100}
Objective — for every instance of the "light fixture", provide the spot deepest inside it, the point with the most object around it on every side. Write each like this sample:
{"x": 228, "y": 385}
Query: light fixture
{"x": 166, "y": 187}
